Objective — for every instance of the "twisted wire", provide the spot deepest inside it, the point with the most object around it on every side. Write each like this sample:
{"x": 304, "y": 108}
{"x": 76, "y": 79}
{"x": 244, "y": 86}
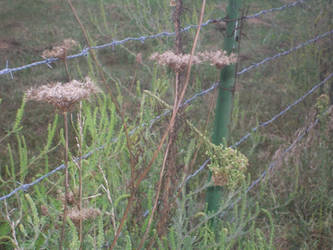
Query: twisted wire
{"x": 142, "y": 39}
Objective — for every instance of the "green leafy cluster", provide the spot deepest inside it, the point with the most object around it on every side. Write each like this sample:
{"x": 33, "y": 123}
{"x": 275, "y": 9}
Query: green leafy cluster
{"x": 322, "y": 104}
{"x": 228, "y": 165}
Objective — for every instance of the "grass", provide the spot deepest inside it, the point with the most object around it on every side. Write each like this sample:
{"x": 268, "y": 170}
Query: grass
{"x": 290, "y": 210}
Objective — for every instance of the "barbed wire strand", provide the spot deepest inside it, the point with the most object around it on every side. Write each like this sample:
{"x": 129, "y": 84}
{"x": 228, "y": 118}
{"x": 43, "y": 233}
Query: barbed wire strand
{"x": 263, "y": 12}
{"x": 264, "y": 124}
{"x": 271, "y": 166}
{"x": 142, "y": 39}
{"x": 214, "y": 86}
{"x": 25, "y": 187}
{"x": 251, "y": 67}
{"x": 286, "y": 52}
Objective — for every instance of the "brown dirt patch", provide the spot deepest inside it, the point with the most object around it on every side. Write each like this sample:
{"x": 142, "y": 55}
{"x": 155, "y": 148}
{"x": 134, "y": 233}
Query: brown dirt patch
{"x": 4, "y": 44}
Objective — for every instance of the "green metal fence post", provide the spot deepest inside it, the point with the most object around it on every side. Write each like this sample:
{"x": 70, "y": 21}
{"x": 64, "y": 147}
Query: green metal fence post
{"x": 224, "y": 100}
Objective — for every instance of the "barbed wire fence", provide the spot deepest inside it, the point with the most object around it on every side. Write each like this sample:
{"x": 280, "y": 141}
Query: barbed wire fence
{"x": 85, "y": 52}
{"x": 273, "y": 163}
{"x": 222, "y": 213}
{"x": 270, "y": 167}
{"x": 142, "y": 39}
{"x": 25, "y": 187}
{"x": 265, "y": 124}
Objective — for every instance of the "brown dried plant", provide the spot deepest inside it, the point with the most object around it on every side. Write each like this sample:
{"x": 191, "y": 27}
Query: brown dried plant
{"x": 179, "y": 62}
{"x": 63, "y": 96}
{"x": 59, "y": 51}
{"x": 164, "y": 137}
{"x": 174, "y": 61}
{"x": 218, "y": 58}
{"x": 84, "y": 214}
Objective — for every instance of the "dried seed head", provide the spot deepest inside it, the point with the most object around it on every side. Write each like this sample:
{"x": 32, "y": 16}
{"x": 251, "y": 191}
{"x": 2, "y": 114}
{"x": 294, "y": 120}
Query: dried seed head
{"x": 176, "y": 62}
{"x": 70, "y": 197}
{"x": 138, "y": 58}
{"x": 218, "y": 58}
{"x": 86, "y": 213}
{"x": 63, "y": 96}
{"x": 59, "y": 51}
{"x": 173, "y": 3}
{"x": 44, "y": 210}
{"x": 179, "y": 62}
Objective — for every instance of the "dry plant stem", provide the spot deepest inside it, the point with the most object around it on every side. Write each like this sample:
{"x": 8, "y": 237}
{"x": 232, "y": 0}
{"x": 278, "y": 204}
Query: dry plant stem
{"x": 108, "y": 193}
{"x": 172, "y": 120}
{"x": 12, "y": 227}
{"x": 156, "y": 198}
{"x": 189, "y": 166}
{"x": 66, "y": 65}
{"x": 100, "y": 70}
{"x": 176, "y": 20}
{"x": 170, "y": 163}
{"x": 66, "y": 182}
{"x": 171, "y": 168}
{"x": 192, "y": 53}
{"x": 80, "y": 175}
{"x": 171, "y": 124}
{"x": 114, "y": 100}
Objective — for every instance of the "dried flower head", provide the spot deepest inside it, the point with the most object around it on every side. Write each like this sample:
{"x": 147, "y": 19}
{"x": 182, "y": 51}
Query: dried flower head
{"x": 218, "y": 58}
{"x": 176, "y": 62}
{"x": 70, "y": 197}
{"x": 179, "y": 62}
{"x": 59, "y": 51}
{"x": 173, "y": 3}
{"x": 44, "y": 210}
{"x": 138, "y": 58}
{"x": 86, "y": 213}
{"x": 63, "y": 96}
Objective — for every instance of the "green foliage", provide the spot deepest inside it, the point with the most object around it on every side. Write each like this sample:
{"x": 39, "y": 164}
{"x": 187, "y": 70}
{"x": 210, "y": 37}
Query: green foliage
{"x": 227, "y": 165}
{"x": 19, "y": 116}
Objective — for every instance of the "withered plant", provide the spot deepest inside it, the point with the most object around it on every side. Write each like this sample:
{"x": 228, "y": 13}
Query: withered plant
{"x": 64, "y": 97}
{"x": 60, "y": 52}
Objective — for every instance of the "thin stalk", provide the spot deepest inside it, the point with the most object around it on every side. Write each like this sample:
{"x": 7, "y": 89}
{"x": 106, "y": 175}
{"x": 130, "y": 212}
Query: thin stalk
{"x": 156, "y": 198}
{"x": 100, "y": 71}
{"x": 66, "y": 182}
{"x": 171, "y": 168}
{"x": 118, "y": 108}
{"x": 66, "y": 65}
{"x": 12, "y": 227}
{"x": 80, "y": 175}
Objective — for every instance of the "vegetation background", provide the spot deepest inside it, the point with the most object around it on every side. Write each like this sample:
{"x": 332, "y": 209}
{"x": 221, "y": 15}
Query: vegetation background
{"x": 292, "y": 209}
